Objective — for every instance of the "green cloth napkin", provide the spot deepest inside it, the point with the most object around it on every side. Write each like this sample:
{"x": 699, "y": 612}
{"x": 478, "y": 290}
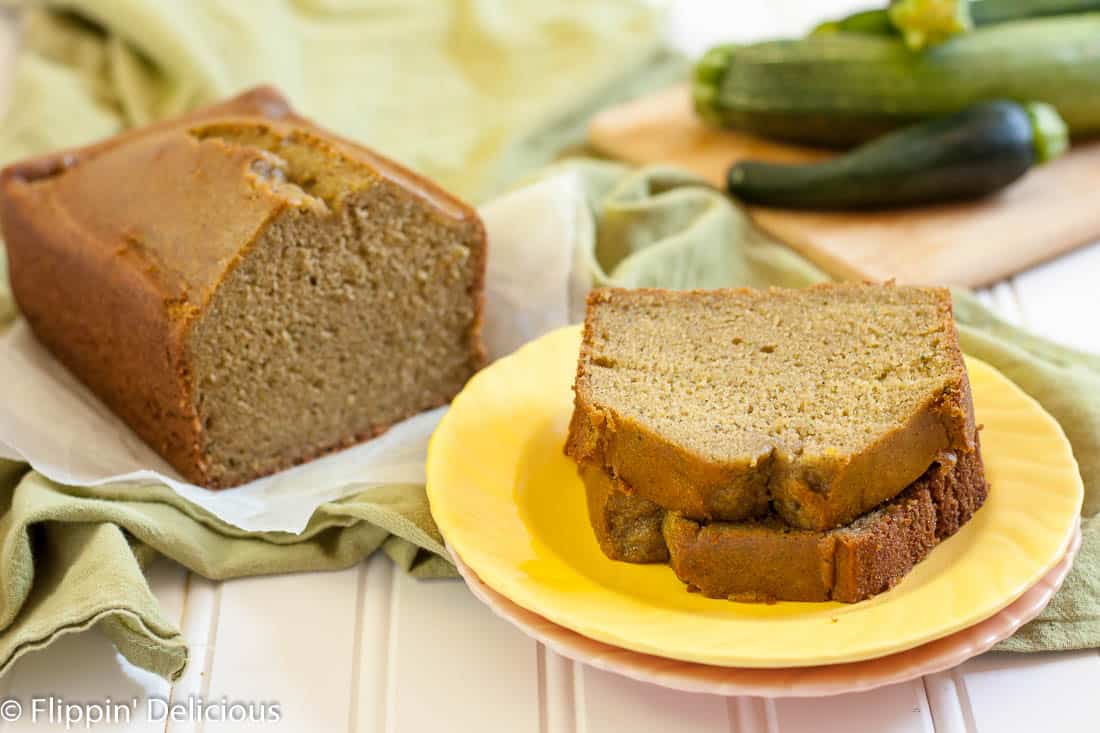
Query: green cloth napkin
{"x": 505, "y": 90}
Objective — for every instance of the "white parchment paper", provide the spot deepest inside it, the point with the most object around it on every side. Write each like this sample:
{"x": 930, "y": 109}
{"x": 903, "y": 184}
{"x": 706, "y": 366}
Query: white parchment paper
{"x": 54, "y": 423}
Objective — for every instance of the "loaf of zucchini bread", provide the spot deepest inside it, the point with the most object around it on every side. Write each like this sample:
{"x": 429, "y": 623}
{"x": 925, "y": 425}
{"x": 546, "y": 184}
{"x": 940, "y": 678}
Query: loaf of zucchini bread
{"x": 246, "y": 290}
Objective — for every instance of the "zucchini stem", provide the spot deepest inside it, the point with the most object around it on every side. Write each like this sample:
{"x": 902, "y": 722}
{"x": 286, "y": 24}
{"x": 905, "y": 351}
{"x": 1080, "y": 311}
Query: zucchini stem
{"x": 930, "y": 22}
{"x": 1048, "y": 129}
{"x": 707, "y": 82}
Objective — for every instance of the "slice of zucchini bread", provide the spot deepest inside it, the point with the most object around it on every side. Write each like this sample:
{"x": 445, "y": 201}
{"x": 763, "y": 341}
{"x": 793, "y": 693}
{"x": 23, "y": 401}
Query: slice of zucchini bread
{"x": 818, "y": 403}
{"x": 767, "y": 560}
{"x": 244, "y": 289}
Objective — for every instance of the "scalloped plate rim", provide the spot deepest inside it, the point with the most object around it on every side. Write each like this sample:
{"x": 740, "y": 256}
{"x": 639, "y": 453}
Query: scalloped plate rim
{"x": 816, "y": 681}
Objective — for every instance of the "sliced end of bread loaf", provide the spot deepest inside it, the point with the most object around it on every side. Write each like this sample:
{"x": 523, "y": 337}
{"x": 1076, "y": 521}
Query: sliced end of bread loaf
{"x": 356, "y": 306}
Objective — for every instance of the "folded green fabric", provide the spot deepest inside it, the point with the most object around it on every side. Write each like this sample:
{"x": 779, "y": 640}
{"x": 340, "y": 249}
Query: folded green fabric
{"x": 514, "y": 87}
{"x": 470, "y": 93}
{"x": 89, "y": 546}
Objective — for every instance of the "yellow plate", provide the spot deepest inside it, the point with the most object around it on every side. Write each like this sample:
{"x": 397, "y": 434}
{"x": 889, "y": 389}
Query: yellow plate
{"x": 510, "y": 504}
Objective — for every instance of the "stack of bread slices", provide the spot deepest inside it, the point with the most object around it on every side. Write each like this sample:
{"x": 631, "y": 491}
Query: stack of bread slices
{"x": 796, "y": 445}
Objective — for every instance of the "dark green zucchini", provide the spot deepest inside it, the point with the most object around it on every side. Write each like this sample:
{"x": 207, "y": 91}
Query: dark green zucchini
{"x": 965, "y": 155}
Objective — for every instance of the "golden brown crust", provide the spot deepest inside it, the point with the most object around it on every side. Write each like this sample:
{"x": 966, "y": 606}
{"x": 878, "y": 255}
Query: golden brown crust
{"x": 627, "y": 527}
{"x": 826, "y": 494}
{"x": 665, "y": 472}
{"x": 75, "y": 296}
{"x": 762, "y": 561}
{"x": 111, "y": 265}
{"x": 765, "y": 560}
{"x": 261, "y": 102}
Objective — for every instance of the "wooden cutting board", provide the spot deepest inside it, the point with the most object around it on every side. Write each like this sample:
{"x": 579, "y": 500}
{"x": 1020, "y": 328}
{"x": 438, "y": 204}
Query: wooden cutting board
{"x": 1049, "y": 211}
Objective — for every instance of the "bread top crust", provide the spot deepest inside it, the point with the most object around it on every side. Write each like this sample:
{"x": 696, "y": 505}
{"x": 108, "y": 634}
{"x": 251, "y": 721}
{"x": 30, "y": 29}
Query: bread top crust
{"x": 221, "y": 174}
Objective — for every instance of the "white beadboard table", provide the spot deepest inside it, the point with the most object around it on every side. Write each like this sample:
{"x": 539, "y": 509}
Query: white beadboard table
{"x": 368, "y": 649}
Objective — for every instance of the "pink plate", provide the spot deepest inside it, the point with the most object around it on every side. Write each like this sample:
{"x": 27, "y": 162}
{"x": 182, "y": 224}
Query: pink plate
{"x": 831, "y": 679}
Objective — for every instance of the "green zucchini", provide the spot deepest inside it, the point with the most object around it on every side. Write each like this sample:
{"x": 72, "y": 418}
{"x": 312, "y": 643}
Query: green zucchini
{"x": 965, "y": 155}
{"x": 844, "y": 88}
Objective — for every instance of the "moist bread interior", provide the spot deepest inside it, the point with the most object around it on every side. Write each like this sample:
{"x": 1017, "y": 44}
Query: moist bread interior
{"x": 352, "y": 309}
{"x": 747, "y": 372}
